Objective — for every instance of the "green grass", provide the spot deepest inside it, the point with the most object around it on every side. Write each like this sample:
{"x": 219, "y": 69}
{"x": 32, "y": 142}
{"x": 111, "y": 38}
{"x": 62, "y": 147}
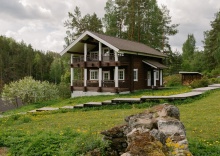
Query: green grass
{"x": 74, "y": 132}
{"x": 80, "y": 100}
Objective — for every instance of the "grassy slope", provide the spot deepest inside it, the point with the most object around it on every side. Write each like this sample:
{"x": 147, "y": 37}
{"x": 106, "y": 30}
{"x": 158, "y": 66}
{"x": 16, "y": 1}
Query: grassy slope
{"x": 201, "y": 119}
{"x": 80, "y": 100}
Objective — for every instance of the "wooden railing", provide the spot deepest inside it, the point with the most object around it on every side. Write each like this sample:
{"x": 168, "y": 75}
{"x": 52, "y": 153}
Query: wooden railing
{"x": 108, "y": 83}
{"x": 110, "y": 58}
{"x": 105, "y": 83}
{"x": 78, "y": 83}
{"x": 78, "y": 59}
{"x": 92, "y": 83}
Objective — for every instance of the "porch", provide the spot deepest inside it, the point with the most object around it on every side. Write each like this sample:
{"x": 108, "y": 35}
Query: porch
{"x": 106, "y": 86}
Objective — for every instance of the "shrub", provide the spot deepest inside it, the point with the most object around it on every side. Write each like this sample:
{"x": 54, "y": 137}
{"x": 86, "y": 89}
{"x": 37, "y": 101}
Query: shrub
{"x": 172, "y": 80}
{"x": 204, "y": 82}
{"x": 30, "y": 90}
{"x": 64, "y": 90}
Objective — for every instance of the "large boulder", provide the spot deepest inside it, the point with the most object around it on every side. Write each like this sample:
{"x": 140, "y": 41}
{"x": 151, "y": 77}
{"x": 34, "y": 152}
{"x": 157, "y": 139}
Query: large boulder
{"x": 155, "y": 132}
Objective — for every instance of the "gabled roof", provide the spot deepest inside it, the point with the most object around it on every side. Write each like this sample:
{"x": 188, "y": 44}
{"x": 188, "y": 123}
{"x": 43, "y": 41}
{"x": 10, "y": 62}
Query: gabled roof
{"x": 154, "y": 64}
{"x": 115, "y": 43}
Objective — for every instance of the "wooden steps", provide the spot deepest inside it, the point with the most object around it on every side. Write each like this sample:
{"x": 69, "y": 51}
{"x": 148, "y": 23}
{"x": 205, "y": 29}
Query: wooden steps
{"x": 93, "y": 104}
{"x": 126, "y": 100}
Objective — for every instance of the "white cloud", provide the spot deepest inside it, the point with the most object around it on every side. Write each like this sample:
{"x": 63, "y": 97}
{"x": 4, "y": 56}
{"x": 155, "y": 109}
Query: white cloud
{"x": 40, "y": 22}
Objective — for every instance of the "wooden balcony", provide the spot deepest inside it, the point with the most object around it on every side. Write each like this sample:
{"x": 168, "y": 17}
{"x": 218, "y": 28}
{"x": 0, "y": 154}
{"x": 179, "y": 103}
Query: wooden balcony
{"x": 93, "y": 61}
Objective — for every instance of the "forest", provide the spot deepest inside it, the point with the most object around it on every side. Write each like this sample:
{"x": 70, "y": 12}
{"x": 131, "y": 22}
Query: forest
{"x": 138, "y": 20}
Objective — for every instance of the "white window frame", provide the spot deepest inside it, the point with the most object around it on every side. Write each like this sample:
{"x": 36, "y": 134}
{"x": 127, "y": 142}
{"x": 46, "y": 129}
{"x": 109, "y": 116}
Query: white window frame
{"x": 135, "y": 74}
{"x": 103, "y": 75}
{"x": 92, "y": 77}
{"x": 123, "y": 71}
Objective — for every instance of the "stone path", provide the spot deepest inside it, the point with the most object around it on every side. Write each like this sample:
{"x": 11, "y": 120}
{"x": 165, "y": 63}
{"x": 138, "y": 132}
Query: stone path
{"x": 193, "y": 93}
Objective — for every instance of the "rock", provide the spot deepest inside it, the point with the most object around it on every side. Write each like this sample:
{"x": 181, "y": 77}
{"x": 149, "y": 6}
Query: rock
{"x": 151, "y": 133}
{"x": 118, "y": 140}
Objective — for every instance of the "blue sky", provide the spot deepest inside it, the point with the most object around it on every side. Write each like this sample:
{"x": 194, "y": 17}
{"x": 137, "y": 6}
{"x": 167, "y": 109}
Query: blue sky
{"x": 40, "y": 23}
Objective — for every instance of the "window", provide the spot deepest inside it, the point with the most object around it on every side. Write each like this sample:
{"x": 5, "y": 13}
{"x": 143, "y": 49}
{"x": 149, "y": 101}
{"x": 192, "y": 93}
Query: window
{"x": 94, "y": 56}
{"x": 121, "y": 74}
{"x": 106, "y": 75}
{"x": 105, "y": 51}
{"x": 135, "y": 74}
{"x": 157, "y": 74}
{"x": 94, "y": 74}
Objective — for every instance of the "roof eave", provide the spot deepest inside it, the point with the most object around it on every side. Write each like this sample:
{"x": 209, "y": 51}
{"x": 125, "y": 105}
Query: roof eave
{"x": 142, "y": 54}
{"x": 82, "y": 36}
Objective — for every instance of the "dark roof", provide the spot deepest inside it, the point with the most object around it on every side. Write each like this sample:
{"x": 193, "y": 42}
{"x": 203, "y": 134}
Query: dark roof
{"x": 155, "y": 64}
{"x": 189, "y": 73}
{"x": 117, "y": 44}
{"x": 127, "y": 45}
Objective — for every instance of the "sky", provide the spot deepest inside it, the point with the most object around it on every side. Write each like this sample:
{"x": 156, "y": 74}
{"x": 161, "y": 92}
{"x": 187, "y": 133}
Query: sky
{"x": 40, "y": 22}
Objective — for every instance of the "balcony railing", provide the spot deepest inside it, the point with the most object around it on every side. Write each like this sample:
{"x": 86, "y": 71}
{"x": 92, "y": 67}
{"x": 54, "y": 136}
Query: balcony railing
{"x": 105, "y": 83}
{"x": 95, "y": 58}
{"x": 78, "y": 83}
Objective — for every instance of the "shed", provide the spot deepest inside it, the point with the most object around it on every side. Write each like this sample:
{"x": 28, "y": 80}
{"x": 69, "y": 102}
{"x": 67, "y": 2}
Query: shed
{"x": 188, "y": 77}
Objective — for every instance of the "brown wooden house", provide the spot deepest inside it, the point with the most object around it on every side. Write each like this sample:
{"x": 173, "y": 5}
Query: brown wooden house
{"x": 112, "y": 65}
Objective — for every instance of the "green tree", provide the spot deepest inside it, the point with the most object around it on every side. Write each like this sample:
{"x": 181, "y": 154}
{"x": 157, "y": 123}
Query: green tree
{"x": 30, "y": 90}
{"x": 189, "y": 47}
{"x": 212, "y": 44}
{"x": 56, "y": 70}
{"x": 76, "y": 24}
{"x": 139, "y": 20}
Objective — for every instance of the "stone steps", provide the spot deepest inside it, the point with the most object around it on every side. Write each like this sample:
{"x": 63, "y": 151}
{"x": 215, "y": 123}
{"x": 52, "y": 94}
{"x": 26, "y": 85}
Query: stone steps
{"x": 126, "y": 100}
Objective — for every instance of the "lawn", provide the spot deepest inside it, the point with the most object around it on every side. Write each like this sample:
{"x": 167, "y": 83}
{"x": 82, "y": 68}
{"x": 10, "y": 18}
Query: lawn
{"x": 80, "y": 100}
{"x": 74, "y": 132}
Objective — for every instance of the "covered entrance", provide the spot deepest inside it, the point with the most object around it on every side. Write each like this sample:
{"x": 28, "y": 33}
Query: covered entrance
{"x": 154, "y": 73}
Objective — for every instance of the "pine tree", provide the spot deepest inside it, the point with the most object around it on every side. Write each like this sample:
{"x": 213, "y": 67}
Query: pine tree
{"x": 189, "y": 47}
{"x": 212, "y": 44}
{"x": 76, "y": 25}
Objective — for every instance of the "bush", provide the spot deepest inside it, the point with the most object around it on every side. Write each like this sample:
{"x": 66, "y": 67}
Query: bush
{"x": 30, "y": 90}
{"x": 172, "y": 80}
{"x": 204, "y": 82}
{"x": 64, "y": 90}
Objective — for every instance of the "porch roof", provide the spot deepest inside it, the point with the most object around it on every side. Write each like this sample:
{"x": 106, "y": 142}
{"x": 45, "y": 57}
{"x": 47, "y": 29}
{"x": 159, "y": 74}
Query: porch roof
{"x": 154, "y": 64}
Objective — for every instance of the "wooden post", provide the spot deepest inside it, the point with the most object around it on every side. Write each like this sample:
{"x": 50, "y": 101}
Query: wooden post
{"x": 85, "y": 77}
{"x": 155, "y": 75}
{"x": 85, "y": 52}
{"x": 161, "y": 77}
{"x": 72, "y": 71}
{"x": 116, "y": 70}
{"x": 100, "y": 77}
{"x": 116, "y": 76}
{"x": 100, "y": 51}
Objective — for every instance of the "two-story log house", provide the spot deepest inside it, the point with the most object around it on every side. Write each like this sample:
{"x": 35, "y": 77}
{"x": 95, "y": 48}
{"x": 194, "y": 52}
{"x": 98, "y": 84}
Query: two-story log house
{"x": 102, "y": 64}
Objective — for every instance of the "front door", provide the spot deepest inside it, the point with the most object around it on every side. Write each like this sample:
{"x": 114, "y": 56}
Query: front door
{"x": 148, "y": 78}
{"x": 106, "y": 75}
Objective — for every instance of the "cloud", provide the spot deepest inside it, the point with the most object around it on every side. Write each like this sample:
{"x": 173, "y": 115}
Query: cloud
{"x": 40, "y": 22}
{"x": 193, "y": 16}
{"x": 21, "y": 10}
